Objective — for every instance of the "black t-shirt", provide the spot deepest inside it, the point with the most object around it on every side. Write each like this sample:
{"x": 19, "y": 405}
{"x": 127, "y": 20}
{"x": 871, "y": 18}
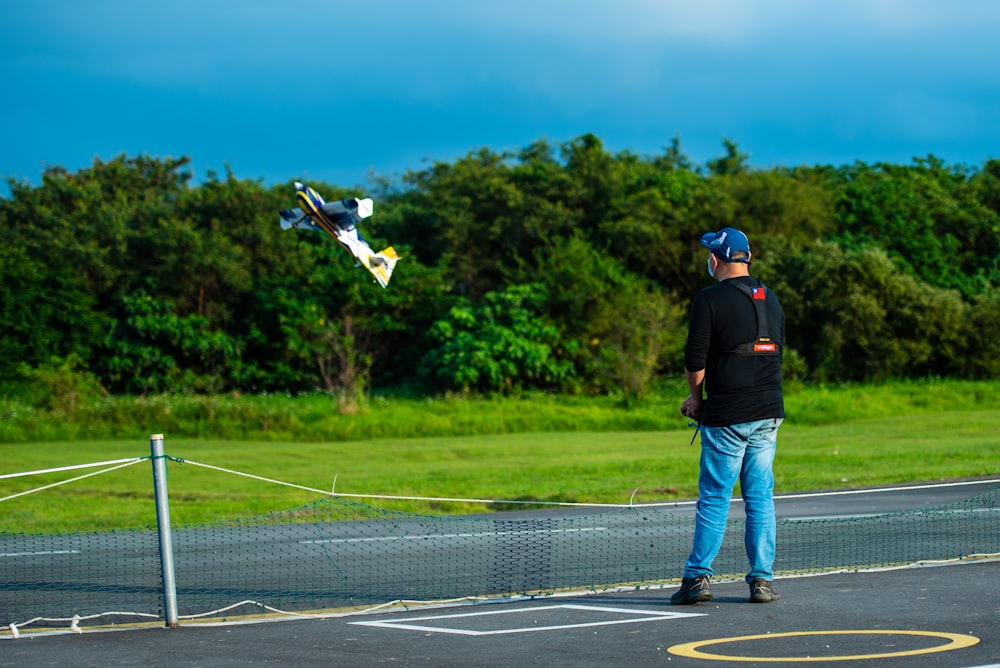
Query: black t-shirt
{"x": 738, "y": 388}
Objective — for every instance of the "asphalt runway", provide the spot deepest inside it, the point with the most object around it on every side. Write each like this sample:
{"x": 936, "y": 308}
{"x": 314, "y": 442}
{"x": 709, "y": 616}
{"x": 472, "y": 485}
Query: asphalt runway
{"x": 943, "y": 616}
{"x": 946, "y": 615}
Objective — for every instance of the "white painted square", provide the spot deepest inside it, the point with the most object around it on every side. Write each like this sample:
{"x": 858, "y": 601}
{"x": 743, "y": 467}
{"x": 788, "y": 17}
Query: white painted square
{"x": 527, "y": 621}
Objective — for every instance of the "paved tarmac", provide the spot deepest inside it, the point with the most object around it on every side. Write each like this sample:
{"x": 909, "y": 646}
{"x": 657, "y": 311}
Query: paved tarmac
{"x": 945, "y": 615}
{"x": 942, "y": 616}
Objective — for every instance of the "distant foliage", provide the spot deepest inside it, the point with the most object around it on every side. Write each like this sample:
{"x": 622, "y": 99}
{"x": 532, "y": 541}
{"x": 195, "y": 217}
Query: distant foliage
{"x": 562, "y": 268}
{"x": 503, "y": 346}
{"x": 857, "y": 317}
{"x": 153, "y": 349}
{"x": 63, "y": 386}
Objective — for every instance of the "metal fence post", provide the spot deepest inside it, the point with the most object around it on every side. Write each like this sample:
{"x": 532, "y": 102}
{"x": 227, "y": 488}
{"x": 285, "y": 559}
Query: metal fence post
{"x": 163, "y": 529}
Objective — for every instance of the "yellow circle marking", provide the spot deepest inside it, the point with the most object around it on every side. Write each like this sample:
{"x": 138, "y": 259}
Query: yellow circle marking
{"x": 957, "y": 641}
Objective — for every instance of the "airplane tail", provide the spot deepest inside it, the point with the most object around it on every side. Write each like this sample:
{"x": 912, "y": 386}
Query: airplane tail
{"x": 382, "y": 264}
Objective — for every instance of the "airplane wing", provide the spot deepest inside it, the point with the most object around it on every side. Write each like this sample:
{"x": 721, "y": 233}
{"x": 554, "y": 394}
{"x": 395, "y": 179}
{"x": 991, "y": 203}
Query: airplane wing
{"x": 341, "y": 214}
{"x": 298, "y": 219}
{"x": 345, "y": 214}
{"x": 355, "y": 208}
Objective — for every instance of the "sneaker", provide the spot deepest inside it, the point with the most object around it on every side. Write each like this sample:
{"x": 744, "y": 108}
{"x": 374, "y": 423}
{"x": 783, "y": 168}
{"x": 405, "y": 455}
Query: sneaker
{"x": 693, "y": 590}
{"x": 761, "y": 591}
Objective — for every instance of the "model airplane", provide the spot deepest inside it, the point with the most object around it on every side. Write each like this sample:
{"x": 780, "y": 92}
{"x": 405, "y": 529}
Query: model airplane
{"x": 339, "y": 220}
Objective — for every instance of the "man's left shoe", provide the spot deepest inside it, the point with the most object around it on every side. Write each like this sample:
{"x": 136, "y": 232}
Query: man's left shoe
{"x": 761, "y": 591}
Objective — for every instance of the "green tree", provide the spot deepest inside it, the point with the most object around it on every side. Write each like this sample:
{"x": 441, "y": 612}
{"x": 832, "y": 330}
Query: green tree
{"x": 466, "y": 216}
{"x": 983, "y": 355}
{"x": 154, "y": 284}
{"x": 621, "y": 325}
{"x": 153, "y": 349}
{"x": 649, "y": 335}
{"x": 65, "y": 384}
{"x": 854, "y": 315}
{"x": 934, "y": 220}
{"x": 502, "y": 346}
{"x": 733, "y": 163}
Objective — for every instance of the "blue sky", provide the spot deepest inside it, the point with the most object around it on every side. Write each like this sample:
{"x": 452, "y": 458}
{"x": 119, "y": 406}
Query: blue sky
{"x": 335, "y": 90}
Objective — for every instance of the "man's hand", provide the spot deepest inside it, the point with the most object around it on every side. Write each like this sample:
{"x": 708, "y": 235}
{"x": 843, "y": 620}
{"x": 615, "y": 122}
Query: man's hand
{"x": 691, "y": 407}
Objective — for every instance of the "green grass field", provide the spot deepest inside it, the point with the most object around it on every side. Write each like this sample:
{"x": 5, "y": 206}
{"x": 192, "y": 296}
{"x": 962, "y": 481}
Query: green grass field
{"x": 834, "y": 438}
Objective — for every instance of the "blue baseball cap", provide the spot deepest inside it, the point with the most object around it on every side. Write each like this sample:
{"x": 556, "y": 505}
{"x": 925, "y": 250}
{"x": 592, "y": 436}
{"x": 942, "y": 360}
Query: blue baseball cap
{"x": 725, "y": 242}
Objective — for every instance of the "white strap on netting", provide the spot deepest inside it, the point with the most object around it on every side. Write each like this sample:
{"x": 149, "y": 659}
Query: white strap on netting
{"x": 15, "y": 628}
{"x": 74, "y": 621}
{"x": 405, "y": 603}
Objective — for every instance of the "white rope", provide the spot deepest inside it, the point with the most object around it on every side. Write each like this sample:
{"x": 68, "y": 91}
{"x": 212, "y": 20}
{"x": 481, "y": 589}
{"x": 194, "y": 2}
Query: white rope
{"x": 630, "y": 504}
{"x": 128, "y": 462}
{"x": 69, "y": 468}
{"x": 405, "y": 498}
{"x": 873, "y": 490}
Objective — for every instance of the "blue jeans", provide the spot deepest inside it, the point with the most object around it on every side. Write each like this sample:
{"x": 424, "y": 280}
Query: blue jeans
{"x": 740, "y": 451}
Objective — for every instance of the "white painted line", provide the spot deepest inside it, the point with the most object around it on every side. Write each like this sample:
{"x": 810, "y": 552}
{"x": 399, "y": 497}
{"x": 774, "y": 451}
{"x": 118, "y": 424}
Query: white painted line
{"x": 820, "y": 518}
{"x": 907, "y": 488}
{"x": 38, "y": 554}
{"x": 811, "y": 495}
{"x": 485, "y": 534}
{"x": 911, "y": 513}
{"x": 638, "y": 616}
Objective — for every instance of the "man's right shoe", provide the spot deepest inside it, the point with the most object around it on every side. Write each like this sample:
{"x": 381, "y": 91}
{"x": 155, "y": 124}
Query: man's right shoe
{"x": 762, "y": 591}
{"x": 693, "y": 590}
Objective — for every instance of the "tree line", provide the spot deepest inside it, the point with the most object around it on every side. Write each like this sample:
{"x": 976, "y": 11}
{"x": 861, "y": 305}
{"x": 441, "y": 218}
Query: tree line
{"x": 562, "y": 268}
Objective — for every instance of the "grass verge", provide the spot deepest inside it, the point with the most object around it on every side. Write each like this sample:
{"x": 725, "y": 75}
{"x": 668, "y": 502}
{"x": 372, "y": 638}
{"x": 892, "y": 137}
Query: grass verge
{"x": 567, "y": 466}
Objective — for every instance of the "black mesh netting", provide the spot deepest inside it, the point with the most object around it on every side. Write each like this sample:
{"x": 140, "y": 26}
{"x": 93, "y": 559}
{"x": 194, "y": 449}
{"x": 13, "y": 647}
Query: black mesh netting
{"x": 336, "y": 554}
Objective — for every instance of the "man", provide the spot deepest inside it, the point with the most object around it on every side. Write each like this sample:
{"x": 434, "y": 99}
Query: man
{"x": 733, "y": 355}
